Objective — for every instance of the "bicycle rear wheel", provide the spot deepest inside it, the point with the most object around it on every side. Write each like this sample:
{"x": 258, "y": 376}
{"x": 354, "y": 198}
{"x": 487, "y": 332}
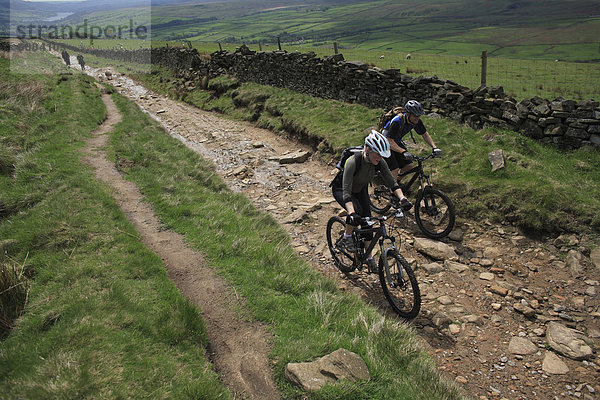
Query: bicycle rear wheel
{"x": 400, "y": 285}
{"x": 434, "y": 213}
{"x": 343, "y": 259}
{"x": 380, "y": 197}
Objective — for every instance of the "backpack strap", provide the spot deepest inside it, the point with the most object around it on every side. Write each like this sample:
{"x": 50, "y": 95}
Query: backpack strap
{"x": 359, "y": 161}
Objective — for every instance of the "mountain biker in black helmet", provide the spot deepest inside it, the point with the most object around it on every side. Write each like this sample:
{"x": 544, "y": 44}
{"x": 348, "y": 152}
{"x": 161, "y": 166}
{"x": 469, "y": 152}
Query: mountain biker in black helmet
{"x": 350, "y": 189}
{"x": 400, "y": 125}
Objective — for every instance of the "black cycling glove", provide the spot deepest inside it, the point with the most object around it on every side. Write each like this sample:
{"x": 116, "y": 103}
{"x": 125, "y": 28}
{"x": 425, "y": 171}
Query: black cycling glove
{"x": 353, "y": 219}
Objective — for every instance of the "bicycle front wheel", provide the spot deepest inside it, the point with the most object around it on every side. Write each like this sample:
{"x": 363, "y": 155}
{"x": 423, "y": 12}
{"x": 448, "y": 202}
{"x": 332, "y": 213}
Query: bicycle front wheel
{"x": 343, "y": 259}
{"x": 380, "y": 197}
{"x": 400, "y": 285}
{"x": 434, "y": 213}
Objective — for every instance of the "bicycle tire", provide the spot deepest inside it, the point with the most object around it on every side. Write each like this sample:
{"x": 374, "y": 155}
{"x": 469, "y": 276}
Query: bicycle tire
{"x": 380, "y": 198}
{"x": 434, "y": 213}
{"x": 399, "y": 284}
{"x": 344, "y": 261}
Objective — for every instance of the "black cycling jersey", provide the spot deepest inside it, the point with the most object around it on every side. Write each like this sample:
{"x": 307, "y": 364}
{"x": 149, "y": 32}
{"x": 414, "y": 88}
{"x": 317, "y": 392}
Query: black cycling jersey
{"x": 399, "y": 126}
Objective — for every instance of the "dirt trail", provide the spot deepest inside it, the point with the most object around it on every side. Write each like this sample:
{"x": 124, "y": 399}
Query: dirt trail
{"x": 472, "y": 310}
{"x": 239, "y": 348}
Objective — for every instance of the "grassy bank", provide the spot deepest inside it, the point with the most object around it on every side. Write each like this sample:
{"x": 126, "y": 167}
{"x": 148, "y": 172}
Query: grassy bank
{"x": 542, "y": 190}
{"x": 100, "y": 318}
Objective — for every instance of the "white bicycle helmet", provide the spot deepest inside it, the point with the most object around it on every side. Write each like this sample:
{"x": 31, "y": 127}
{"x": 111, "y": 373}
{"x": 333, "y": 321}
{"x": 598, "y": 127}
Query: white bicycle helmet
{"x": 378, "y": 143}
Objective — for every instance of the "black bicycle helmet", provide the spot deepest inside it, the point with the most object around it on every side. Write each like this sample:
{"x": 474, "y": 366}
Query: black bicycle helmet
{"x": 378, "y": 143}
{"x": 414, "y": 107}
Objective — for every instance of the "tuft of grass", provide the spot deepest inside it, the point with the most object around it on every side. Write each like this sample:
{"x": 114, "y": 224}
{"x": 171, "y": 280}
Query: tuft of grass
{"x": 24, "y": 95}
{"x": 7, "y": 161}
{"x": 14, "y": 289}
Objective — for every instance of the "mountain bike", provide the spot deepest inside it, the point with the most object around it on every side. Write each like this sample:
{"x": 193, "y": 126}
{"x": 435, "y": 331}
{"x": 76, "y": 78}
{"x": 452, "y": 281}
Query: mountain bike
{"x": 397, "y": 278}
{"x": 434, "y": 211}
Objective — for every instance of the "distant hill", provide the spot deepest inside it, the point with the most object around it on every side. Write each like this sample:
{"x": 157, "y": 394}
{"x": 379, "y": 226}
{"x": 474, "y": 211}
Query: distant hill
{"x": 565, "y": 29}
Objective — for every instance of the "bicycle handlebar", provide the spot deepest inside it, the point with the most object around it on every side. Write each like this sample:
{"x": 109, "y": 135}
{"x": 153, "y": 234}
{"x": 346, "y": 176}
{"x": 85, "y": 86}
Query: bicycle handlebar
{"x": 427, "y": 157}
{"x": 394, "y": 213}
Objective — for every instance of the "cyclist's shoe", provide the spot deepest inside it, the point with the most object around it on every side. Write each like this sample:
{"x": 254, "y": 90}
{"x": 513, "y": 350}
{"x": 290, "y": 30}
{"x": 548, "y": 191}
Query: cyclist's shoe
{"x": 348, "y": 244}
{"x": 405, "y": 205}
{"x": 372, "y": 266}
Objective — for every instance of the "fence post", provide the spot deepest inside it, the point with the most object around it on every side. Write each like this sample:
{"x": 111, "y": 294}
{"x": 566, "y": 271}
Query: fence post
{"x": 259, "y": 46}
{"x": 335, "y": 48}
{"x": 278, "y": 43}
{"x": 484, "y": 68}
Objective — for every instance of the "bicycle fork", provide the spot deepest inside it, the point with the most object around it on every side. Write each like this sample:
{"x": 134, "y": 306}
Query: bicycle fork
{"x": 396, "y": 278}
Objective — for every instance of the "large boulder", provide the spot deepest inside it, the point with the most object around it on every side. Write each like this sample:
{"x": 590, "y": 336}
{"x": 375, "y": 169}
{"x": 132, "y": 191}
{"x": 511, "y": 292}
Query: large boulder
{"x": 339, "y": 365}
{"x": 567, "y": 342}
{"x": 436, "y": 250}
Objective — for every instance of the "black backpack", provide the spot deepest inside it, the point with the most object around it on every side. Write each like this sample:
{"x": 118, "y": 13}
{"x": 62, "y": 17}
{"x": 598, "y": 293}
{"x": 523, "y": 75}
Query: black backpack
{"x": 348, "y": 152}
{"x": 388, "y": 116}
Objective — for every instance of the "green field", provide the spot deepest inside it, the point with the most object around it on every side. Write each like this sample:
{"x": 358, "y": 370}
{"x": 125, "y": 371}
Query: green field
{"x": 559, "y": 29}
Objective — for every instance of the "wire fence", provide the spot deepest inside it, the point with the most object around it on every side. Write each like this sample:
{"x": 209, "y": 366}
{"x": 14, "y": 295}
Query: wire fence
{"x": 520, "y": 78}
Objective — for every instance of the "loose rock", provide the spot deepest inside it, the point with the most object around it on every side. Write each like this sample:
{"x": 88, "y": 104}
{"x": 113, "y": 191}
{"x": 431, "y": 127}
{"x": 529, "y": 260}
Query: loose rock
{"x": 436, "y": 250}
{"x": 496, "y": 158}
{"x": 456, "y": 266}
{"x": 486, "y": 276}
{"x": 297, "y": 216}
{"x": 552, "y": 364}
{"x": 521, "y": 346}
{"x": 574, "y": 262}
{"x": 595, "y": 257}
{"x": 567, "y": 342}
{"x": 339, "y": 365}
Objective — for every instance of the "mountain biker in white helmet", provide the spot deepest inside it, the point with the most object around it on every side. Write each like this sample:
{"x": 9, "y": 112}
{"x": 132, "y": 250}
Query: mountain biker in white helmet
{"x": 350, "y": 189}
{"x": 400, "y": 125}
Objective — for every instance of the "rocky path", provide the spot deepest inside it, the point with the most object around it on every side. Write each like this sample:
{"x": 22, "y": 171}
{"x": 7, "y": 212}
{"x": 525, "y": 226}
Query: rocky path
{"x": 239, "y": 348}
{"x": 504, "y": 316}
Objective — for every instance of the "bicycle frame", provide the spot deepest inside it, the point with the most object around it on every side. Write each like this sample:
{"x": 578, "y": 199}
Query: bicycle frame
{"x": 418, "y": 173}
{"x": 379, "y": 237}
{"x": 380, "y": 234}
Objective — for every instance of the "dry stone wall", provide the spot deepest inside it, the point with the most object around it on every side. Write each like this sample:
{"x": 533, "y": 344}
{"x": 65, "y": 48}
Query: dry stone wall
{"x": 566, "y": 123}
